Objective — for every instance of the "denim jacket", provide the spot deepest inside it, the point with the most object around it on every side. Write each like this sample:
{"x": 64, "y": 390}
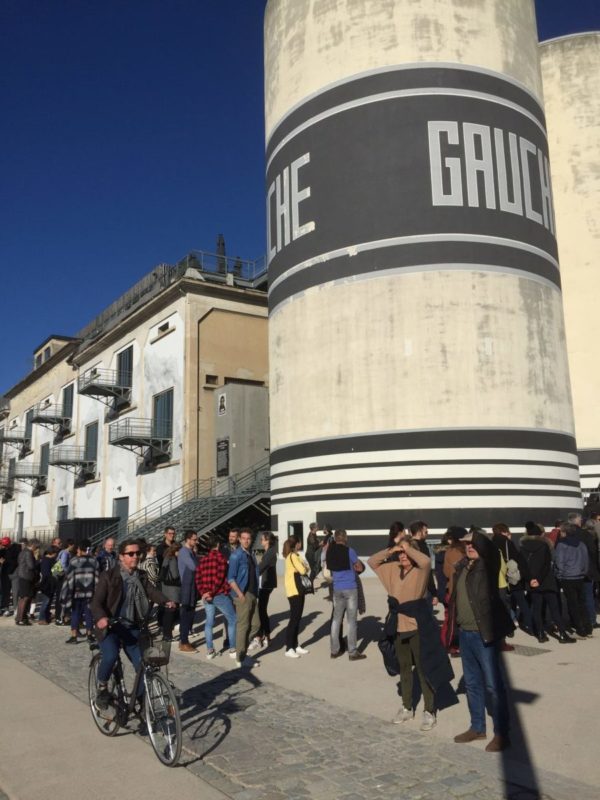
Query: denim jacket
{"x": 238, "y": 568}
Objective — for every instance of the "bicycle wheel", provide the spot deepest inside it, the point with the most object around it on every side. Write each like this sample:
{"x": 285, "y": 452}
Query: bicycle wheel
{"x": 162, "y": 719}
{"x": 106, "y": 719}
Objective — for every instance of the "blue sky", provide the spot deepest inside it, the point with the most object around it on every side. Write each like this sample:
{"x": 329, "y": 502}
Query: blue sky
{"x": 132, "y": 132}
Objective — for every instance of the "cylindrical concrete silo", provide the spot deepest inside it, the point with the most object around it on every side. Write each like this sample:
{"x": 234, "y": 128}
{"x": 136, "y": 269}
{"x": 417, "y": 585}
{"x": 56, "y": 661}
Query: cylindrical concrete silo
{"x": 417, "y": 352}
{"x": 571, "y": 77}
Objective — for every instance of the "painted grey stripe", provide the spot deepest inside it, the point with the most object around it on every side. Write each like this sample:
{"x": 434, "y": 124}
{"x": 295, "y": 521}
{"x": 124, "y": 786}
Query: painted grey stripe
{"x": 430, "y": 438}
{"x": 459, "y": 494}
{"x": 401, "y": 93}
{"x": 440, "y": 518}
{"x": 434, "y": 483}
{"x": 419, "y": 74}
{"x": 434, "y": 463}
{"x": 430, "y": 238}
{"x": 589, "y": 456}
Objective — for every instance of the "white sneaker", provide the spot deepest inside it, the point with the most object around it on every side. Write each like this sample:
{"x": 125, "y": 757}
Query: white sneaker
{"x": 291, "y": 653}
{"x": 429, "y": 721}
{"x": 238, "y": 663}
{"x": 302, "y": 651}
{"x": 210, "y": 654}
{"x": 232, "y": 654}
{"x": 404, "y": 715}
{"x": 254, "y": 644}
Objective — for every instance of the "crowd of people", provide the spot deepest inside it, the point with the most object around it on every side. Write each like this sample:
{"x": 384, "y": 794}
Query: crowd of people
{"x": 486, "y": 585}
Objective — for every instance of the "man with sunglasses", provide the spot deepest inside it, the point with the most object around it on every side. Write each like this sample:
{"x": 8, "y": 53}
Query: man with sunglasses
{"x": 125, "y": 593}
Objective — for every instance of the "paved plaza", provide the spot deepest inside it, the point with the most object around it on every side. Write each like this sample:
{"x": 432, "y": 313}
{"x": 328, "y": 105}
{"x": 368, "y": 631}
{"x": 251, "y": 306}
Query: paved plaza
{"x": 316, "y": 729}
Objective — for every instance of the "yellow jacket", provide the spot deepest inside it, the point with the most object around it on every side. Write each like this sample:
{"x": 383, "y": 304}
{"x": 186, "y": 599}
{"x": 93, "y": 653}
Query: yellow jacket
{"x": 294, "y": 563}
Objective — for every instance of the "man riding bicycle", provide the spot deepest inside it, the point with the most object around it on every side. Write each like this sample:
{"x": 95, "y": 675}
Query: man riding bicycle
{"x": 125, "y": 593}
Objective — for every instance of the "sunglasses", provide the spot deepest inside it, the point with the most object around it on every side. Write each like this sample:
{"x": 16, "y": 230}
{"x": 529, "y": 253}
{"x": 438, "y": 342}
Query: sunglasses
{"x": 133, "y": 553}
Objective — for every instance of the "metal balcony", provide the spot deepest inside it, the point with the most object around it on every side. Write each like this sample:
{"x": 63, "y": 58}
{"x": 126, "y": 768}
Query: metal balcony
{"x": 52, "y": 416}
{"x": 150, "y": 439}
{"x": 107, "y": 385}
{"x": 4, "y": 407}
{"x": 75, "y": 459}
{"x": 16, "y": 437}
{"x": 7, "y": 487}
{"x": 31, "y": 473}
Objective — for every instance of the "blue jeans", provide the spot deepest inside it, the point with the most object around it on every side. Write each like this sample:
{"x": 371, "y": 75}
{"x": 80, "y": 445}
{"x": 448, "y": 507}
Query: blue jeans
{"x": 223, "y": 603}
{"x": 81, "y": 610}
{"x": 590, "y": 602}
{"x": 344, "y": 600}
{"x": 109, "y": 647}
{"x": 481, "y": 668}
{"x": 45, "y": 601}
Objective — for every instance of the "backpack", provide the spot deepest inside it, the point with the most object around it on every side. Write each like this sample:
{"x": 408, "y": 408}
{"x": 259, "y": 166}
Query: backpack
{"x": 166, "y": 576}
{"x": 57, "y": 569}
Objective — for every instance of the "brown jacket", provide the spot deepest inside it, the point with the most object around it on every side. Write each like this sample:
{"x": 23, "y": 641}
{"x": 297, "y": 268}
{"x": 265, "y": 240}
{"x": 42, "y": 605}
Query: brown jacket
{"x": 109, "y": 595}
{"x": 413, "y": 586}
{"x": 452, "y": 556}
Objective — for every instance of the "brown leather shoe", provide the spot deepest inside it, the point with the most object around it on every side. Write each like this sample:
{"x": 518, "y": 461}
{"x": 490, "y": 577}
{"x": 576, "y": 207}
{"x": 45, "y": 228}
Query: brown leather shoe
{"x": 468, "y": 736}
{"x": 187, "y": 648}
{"x": 497, "y": 744}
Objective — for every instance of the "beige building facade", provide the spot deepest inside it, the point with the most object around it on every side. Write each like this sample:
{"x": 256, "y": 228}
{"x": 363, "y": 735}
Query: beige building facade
{"x": 571, "y": 75}
{"x": 138, "y": 423}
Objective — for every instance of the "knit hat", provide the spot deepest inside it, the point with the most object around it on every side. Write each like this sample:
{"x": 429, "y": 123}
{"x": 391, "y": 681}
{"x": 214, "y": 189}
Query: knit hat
{"x": 4, "y": 541}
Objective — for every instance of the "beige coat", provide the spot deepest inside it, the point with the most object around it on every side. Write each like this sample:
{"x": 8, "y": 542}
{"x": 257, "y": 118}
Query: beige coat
{"x": 413, "y": 586}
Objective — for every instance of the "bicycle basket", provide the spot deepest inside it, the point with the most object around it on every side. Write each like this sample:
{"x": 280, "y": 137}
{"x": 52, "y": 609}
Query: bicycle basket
{"x": 155, "y": 652}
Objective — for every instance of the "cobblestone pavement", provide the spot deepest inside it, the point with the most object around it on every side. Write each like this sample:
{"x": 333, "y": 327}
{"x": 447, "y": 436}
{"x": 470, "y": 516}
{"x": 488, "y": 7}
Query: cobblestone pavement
{"x": 258, "y": 741}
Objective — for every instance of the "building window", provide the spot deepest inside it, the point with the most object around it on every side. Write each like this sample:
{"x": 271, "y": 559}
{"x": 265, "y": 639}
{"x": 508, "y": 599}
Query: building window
{"x": 91, "y": 442}
{"x": 162, "y": 414}
{"x": 212, "y": 380}
{"x": 164, "y": 327}
{"x": 62, "y": 513}
{"x": 44, "y": 458}
{"x": 47, "y": 353}
{"x": 67, "y": 401}
{"x": 38, "y": 360}
{"x": 125, "y": 367}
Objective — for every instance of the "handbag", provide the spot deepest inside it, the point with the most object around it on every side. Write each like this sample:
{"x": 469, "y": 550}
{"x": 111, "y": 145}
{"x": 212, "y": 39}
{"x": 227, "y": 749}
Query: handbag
{"x": 303, "y": 583}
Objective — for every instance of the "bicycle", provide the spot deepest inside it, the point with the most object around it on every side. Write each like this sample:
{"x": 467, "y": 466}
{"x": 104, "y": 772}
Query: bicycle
{"x": 160, "y": 709}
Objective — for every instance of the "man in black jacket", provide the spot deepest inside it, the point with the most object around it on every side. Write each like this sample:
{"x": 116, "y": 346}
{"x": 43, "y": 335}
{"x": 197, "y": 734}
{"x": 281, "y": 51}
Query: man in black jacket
{"x": 593, "y": 574}
{"x": 483, "y": 621}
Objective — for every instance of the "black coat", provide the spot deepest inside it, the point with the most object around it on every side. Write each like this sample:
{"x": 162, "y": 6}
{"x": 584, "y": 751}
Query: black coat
{"x": 108, "y": 595}
{"x": 434, "y": 659}
{"x": 431, "y": 587}
{"x": 591, "y": 543}
{"x": 493, "y": 620}
{"x": 537, "y": 555}
{"x": 268, "y": 568}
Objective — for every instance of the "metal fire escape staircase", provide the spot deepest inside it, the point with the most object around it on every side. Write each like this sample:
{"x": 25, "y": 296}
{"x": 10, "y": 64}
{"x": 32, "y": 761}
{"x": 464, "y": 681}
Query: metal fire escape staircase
{"x": 200, "y": 505}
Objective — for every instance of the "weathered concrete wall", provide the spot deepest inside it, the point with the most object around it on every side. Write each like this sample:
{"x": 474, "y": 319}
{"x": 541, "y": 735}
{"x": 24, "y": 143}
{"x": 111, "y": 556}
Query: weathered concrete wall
{"x": 571, "y": 75}
{"x": 412, "y": 320}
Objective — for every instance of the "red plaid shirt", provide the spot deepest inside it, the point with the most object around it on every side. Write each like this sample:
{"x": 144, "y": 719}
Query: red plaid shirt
{"x": 211, "y": 574}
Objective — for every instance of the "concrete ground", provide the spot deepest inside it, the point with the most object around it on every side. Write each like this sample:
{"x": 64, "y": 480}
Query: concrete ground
{"x": 51, "y": 749}
{"x": 317, "y": 728}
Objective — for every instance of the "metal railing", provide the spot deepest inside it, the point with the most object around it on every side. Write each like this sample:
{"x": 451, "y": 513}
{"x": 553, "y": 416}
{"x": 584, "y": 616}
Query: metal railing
{"x": 216, "y": 264}
{"x": 139, "y": 429}
{"x": 27, "y": 471}
{"x": 47, "y": 412}
{"x": 70, "y": 455}
{"x": 14, "y": 435}
{"x": 106, "y": 378}
{"x": 202, "y": 499}
{"x": 164, "y": 275}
